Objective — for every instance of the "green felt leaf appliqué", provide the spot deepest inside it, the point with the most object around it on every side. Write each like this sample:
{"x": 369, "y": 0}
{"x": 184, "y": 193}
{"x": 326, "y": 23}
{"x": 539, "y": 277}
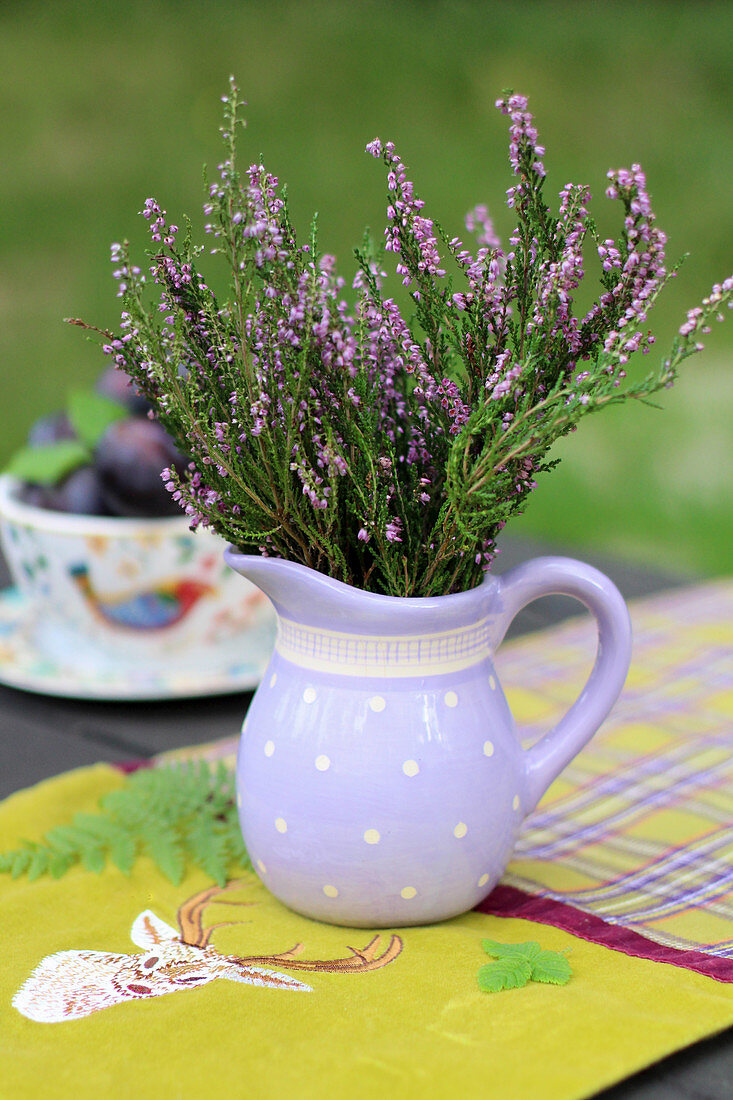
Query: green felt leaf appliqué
{"x": 180, "y": 816}
{"x": 516, "y": 964}
{"x": 509, "y": 972}
{"x": 528, "y": 950}
{"x": 552, "y": 967}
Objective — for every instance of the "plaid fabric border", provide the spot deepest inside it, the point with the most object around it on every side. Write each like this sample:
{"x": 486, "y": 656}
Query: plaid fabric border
{"x": 638, "y": 830}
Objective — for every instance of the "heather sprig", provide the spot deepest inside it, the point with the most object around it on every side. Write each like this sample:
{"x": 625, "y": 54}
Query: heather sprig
{"x": 329, "y": 426}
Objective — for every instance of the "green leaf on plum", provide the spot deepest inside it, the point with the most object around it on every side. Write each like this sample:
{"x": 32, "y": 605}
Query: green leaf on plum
{"x": 92, "y": 413}
{"x": 50, "y": 463}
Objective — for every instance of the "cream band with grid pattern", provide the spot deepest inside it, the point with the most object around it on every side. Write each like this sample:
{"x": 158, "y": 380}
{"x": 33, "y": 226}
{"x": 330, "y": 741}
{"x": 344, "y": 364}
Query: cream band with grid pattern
{"x": 321, "y": 650}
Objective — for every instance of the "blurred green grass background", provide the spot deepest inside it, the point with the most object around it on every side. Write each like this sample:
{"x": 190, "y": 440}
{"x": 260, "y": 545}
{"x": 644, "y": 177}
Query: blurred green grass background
{"x": 103, "y": 104}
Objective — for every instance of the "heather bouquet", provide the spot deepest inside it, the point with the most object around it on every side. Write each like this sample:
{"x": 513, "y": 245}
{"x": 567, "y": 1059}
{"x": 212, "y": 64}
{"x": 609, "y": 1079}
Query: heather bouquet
{"x": 381, "y": 443}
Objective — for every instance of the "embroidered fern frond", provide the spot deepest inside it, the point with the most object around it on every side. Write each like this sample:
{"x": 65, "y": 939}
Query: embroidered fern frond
{"x": 209, "y": 849}
{"x": 181, "y": 816}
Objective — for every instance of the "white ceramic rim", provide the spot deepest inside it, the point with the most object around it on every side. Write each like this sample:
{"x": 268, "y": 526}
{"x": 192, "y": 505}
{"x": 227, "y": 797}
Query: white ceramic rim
{"x": 74, "y": 681}
{"x": 64, "y": 523}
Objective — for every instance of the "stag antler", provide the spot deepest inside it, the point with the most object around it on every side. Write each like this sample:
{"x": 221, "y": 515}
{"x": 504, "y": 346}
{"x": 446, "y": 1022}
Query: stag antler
{"x": 193, "y": 931}
{"x": 359, "y": 961}
{"x": 190, "y": 914}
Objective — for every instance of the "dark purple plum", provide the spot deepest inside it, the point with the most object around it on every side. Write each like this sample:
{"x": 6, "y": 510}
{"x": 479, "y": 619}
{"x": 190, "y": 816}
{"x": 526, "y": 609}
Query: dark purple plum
{"x": 80, "y": 493}
{"x": 38, "y": 496}
{"x": 129, "y": 459}
{"x": 118, "y": 386}
{"x": 50, "y": 429}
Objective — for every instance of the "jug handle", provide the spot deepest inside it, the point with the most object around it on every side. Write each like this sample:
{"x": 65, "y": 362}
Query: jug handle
{"x": 567, "y": 577}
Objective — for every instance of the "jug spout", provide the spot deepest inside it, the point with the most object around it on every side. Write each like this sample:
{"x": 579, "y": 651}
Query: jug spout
{"x": 291, "y": 587}
{"x": 305, "y": 596}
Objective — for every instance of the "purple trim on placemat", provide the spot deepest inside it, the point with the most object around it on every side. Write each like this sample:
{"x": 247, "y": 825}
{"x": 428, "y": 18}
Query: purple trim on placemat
{"x": 130, "y": 766}
{"x": 508, "y": 901}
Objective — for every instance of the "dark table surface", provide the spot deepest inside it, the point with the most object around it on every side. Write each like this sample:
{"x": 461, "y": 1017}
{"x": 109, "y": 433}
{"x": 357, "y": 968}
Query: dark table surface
{"x": 41, "y": 736}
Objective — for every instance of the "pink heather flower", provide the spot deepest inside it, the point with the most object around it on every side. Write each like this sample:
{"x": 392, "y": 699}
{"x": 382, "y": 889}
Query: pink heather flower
{"x": 523, "y": 147}
{"x": 407, "y": 226}
{"x": 479, "y": 222}
{"x": 393, "y": 529}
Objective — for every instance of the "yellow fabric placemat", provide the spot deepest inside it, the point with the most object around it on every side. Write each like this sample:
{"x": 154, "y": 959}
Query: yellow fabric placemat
{"x": 417, "y": 1026}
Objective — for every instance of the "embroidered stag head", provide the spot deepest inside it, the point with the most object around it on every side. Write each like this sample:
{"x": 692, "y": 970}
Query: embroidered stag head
{"x": 72, "y": 984}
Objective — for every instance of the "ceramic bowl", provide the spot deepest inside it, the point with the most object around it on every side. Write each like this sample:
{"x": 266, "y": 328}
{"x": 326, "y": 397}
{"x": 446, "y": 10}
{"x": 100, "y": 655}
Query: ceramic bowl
{"x": 134, "y": 593}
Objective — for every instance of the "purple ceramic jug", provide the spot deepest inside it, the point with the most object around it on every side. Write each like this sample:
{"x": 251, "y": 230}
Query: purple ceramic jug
{"x": 380, "y": 777}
